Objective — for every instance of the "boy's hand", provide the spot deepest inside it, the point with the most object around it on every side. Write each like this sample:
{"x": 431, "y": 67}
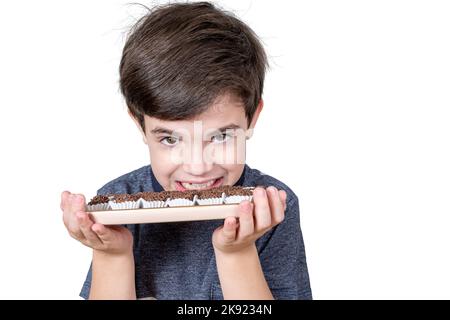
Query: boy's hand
{"x": 254, "y": 220}
{"x": 111, "y": 239}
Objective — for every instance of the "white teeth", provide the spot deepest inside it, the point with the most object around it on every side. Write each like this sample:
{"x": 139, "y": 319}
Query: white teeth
{"x": 192, "y": 186}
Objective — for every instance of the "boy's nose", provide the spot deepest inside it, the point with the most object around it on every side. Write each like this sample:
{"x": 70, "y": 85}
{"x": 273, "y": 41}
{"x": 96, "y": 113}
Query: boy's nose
{"x": 197, "y": 163}
{"x": 197, "y": 169}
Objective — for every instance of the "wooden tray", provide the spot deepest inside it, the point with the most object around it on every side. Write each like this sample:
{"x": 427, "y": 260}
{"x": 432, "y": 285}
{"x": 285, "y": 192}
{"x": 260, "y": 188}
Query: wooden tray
{"x": 166, "y": 214}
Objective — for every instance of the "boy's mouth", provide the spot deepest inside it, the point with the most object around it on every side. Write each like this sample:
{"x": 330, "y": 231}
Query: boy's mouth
{"x": 204, "y": 185}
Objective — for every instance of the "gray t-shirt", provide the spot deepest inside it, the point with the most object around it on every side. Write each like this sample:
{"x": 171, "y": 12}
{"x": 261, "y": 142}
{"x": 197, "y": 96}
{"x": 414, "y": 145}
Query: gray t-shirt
{"x": 176, "y": 260}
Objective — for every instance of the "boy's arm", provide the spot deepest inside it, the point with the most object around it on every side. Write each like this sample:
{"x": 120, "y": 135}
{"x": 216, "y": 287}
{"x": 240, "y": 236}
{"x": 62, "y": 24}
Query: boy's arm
{"x": 238, "y": 264}
{"x": 241, "y": 275}
{"x": 112, "y": 276}
{"x": 283, "y": 258}
{"x": 113, "y": 262}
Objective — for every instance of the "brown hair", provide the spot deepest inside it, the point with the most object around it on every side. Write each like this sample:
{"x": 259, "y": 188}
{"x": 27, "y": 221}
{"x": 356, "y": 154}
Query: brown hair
{"x": 179, "y": 57}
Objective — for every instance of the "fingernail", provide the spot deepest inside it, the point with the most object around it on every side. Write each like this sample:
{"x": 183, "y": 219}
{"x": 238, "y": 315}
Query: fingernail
{"x": 272, "y": 190}
{"x": 259, "y": 191}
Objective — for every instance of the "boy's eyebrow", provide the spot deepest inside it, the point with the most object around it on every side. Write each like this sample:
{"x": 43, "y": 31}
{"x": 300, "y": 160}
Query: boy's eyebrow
{"x": 162, "y": 130}
{"x": 231, "y": 126}
{"x": 223, "y": 129}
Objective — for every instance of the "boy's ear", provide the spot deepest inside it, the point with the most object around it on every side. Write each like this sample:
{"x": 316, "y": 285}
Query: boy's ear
{"x": 260, "y": 106}
{"x": 144, "y": 137}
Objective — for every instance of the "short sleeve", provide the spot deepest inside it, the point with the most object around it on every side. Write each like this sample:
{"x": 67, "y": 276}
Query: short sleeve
{"x": 283, "y": 258}
{"x": 85, "y": 290}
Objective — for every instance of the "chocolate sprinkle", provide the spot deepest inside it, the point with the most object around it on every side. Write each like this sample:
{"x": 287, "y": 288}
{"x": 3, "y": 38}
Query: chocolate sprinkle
{"x": 98, "y": 200}
{"x": 236, "y": 191}
{"x": 164, "y": 195}
{"x": 155, "y": 196}
{"x": 125, "y": 197}
{"x": 182, "y": 195}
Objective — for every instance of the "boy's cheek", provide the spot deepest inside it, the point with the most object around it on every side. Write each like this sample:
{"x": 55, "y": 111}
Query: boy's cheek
{"x": 166, "y": 157}
{"x": 230, "y": 153}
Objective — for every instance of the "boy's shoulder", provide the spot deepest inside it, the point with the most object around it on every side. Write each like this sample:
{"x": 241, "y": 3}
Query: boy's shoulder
{"x": 132, "y": 182}
{"x": 254, "y": 177}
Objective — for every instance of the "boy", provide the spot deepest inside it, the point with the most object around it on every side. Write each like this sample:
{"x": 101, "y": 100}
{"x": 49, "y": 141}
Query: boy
{"x": 192, "y": 77}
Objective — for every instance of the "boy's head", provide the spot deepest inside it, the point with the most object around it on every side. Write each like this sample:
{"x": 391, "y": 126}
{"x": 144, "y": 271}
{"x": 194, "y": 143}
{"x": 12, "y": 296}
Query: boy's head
{"x": 189, "y": 70}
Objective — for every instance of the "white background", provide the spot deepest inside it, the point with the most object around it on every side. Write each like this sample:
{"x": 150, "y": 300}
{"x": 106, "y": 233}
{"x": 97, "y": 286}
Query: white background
{"x": 356, "y": 122}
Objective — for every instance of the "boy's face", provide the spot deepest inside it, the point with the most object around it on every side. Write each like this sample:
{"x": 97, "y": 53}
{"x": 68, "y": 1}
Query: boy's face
{"x": 205, "y": 152}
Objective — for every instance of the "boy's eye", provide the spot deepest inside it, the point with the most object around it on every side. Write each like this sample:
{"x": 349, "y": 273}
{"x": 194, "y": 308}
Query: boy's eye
{"x": 170, "y": 141}
{"x": 221, "y": 137}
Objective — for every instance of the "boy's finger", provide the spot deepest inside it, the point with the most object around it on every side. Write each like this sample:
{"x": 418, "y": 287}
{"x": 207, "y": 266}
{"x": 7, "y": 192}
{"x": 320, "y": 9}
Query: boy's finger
{"x": 246, "y": 223}
{"x": 229, "y": 229}
{"x": 70, "y": 219}
{"x": 262, "y": 209}
{"x": 76, "y": 233}
{"x": 64, "y": 196}
{"x": 73, "y": 204}
{"x": 102, "y": 232}
{"x": 77, "y": 202}
{"x": 283, "y": 197}
{"x": 276, "y": 206}
{"x": 85, "y": 227}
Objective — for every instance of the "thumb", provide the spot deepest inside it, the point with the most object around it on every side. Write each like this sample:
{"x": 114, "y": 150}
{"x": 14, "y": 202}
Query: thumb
{"x": 102, "y": 232}
{"x": 229, "y": 229}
